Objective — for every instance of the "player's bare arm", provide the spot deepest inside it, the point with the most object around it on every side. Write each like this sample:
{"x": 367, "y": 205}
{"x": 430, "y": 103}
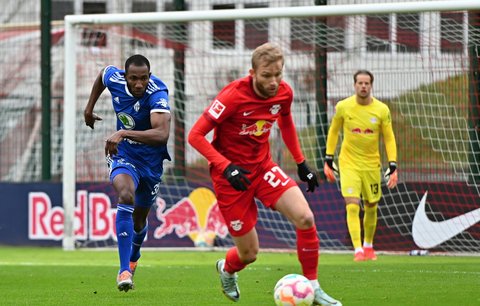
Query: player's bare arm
{"x": 156, "y": 136}
{"x": 97, "y": 89}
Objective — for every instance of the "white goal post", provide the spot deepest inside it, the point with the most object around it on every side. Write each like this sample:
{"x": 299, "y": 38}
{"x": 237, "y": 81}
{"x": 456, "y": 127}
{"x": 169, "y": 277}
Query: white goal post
{"x": 70, "y": 69}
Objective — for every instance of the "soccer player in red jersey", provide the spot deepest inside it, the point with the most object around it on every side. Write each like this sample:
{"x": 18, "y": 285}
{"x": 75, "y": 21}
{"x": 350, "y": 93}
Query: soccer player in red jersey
{"x": 241, "y": 167}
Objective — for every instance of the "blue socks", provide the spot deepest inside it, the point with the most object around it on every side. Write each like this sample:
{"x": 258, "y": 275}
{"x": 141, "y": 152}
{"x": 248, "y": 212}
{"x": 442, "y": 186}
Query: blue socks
{"x": 124, "y": 226}
{"x": 137, "y": 243}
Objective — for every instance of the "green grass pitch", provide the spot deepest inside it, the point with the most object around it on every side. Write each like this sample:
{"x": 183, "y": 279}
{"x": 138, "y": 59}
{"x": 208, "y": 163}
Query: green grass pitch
{"x": 51, "y": 276}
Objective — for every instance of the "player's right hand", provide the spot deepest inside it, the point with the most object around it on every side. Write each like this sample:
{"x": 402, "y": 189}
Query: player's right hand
{"x": 330, "y": 169}
{"x": 236, "y": 177}
{"x": 391, "y": 175}
{"x": 90, "y": 119}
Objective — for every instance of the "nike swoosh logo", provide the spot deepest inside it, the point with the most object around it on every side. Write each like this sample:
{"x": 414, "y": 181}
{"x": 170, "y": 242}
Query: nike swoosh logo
{"x": 428, "y": 234}
{"x": 247, "y": 113}
{"x": 309, "y": 250}
{"x": 285, "y": 183}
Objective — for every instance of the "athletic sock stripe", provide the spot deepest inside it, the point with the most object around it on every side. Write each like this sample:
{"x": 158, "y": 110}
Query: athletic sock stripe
{"x": 127, "y": 208}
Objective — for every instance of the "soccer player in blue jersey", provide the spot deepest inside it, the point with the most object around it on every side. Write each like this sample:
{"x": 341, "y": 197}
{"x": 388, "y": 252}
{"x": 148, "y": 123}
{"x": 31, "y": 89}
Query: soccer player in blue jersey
{"x": 135, "y": 152}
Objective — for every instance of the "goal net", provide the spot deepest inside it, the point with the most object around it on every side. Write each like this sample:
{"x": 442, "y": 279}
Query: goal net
{"x": 425, "y": 58}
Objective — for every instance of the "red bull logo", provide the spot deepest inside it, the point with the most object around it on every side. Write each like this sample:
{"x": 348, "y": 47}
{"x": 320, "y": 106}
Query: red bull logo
{"x": 359, "y": 131}
{"x": 257, "y": 129}
{"x": 196, "y": 216}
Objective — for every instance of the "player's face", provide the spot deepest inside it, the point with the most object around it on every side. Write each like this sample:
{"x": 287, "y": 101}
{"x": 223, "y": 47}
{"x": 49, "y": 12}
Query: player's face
{"x": 363, "y": 86}
{"x": 137, "y": 80}
{"x": 267, "y": 78}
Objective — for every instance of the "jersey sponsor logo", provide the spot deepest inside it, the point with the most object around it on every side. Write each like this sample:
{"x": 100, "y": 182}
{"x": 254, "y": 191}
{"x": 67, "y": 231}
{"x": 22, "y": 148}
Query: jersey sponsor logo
{"x": 216, "y": 109}
{"x": 248, "y": 113}
{"x": 257, "y": 129}
{"x": 359, "y": 131}
{"x": 428, "y": 234}
{"x": 275, "y": 109}
{"x": 126, "y": 120}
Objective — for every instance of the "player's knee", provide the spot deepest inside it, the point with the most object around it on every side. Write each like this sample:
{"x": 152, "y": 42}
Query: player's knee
{"x": 249, "y": 256}
{"x": 305, "y": 220}
{"x": 139, "y": 225}
{"x": 125, "y": 197}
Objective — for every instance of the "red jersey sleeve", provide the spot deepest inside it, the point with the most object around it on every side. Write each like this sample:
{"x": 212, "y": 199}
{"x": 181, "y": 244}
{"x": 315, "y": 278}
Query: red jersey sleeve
{"x": 196, "y": 138}
{"x": 290, "y": 137}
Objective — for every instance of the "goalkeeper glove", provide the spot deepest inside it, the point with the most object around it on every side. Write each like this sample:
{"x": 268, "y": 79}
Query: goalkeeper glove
{"x": 330, "y": 169}
{"x": 391, "y": 175}
{"x": 236, "y": 177}
{"x": 307, "y": 175}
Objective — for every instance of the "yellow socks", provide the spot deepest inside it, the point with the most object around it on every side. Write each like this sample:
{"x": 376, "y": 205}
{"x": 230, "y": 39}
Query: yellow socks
{"x": 353, "y": 222}
{"x": 370, "y": 223}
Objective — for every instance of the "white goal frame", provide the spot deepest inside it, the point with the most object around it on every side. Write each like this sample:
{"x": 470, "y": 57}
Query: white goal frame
{"x": 70, "y": 91}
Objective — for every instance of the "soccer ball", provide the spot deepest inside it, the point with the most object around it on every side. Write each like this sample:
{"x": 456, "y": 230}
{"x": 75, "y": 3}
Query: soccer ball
{"x": 293, "y": 290}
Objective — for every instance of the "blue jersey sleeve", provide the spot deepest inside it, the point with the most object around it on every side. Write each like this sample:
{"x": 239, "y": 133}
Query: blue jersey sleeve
{"x": 159, "y": 102}
{"x": 108, "y": 72}
{"x": 158, "y": 99}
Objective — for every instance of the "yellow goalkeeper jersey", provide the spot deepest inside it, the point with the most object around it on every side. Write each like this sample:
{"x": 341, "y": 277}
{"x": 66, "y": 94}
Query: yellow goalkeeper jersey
{"x": 362, "y": 126}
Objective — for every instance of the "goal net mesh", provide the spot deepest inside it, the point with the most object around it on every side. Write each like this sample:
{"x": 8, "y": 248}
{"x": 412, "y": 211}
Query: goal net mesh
{"x": 426, "y": 69}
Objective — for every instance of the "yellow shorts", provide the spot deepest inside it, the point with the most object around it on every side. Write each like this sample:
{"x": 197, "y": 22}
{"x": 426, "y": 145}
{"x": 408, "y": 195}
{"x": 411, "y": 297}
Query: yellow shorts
{"x": 361, "y": 184}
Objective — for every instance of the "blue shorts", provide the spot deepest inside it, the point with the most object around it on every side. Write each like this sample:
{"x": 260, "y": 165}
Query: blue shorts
{"x": 146, "y": 185}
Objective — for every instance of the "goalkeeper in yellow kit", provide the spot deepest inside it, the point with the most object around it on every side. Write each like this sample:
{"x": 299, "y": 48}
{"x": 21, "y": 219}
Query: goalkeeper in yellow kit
{"x": 363, "y": 119}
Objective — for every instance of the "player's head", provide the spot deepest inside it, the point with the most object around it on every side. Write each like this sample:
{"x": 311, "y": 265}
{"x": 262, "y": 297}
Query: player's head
{"x": 137, "y": 74}
{"x": 267, "y": 69}
{"x": 362, "y": 81}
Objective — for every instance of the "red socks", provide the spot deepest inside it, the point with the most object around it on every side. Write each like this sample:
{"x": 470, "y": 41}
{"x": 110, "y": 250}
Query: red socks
{"x": 232, "y": 261}
{"x": 308, "y": 246}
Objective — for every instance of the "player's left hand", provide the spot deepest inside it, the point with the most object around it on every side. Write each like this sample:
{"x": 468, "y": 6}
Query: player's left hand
{"x": 236, "y": 176}
{"x": 307, "y": 175}
{"x": 391, "y": 175}
{"x": 111, "y": 143}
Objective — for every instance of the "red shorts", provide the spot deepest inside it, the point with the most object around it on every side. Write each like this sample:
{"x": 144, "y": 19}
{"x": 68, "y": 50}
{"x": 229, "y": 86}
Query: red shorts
{"x": 238, "y": 208}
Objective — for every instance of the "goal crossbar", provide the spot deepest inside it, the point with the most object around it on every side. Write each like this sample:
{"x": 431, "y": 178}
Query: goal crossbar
{"x": 277, "y": 12}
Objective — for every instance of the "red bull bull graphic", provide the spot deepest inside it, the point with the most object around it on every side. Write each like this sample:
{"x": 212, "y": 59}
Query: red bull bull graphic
{"x": 257, "y": 129}
{"x": 196, "y": 216}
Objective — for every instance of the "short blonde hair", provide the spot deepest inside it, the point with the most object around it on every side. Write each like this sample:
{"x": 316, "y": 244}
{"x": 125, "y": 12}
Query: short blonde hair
{"x": 268, "y": 52}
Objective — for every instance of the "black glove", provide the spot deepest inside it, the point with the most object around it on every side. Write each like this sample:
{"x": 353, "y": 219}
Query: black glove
{"x": 307, "y": 175}
{"x": 236, "y": 177}
{"x": 392, "y": 167}
{"x": 330, "y": 163}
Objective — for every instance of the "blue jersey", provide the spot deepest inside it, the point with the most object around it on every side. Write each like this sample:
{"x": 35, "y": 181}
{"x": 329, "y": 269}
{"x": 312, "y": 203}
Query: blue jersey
{"x": 134, "y": 114}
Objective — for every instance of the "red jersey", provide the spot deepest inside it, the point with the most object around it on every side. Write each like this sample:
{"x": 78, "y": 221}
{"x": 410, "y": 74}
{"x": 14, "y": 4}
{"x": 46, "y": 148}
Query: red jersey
{"x": 244, "y": 121}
